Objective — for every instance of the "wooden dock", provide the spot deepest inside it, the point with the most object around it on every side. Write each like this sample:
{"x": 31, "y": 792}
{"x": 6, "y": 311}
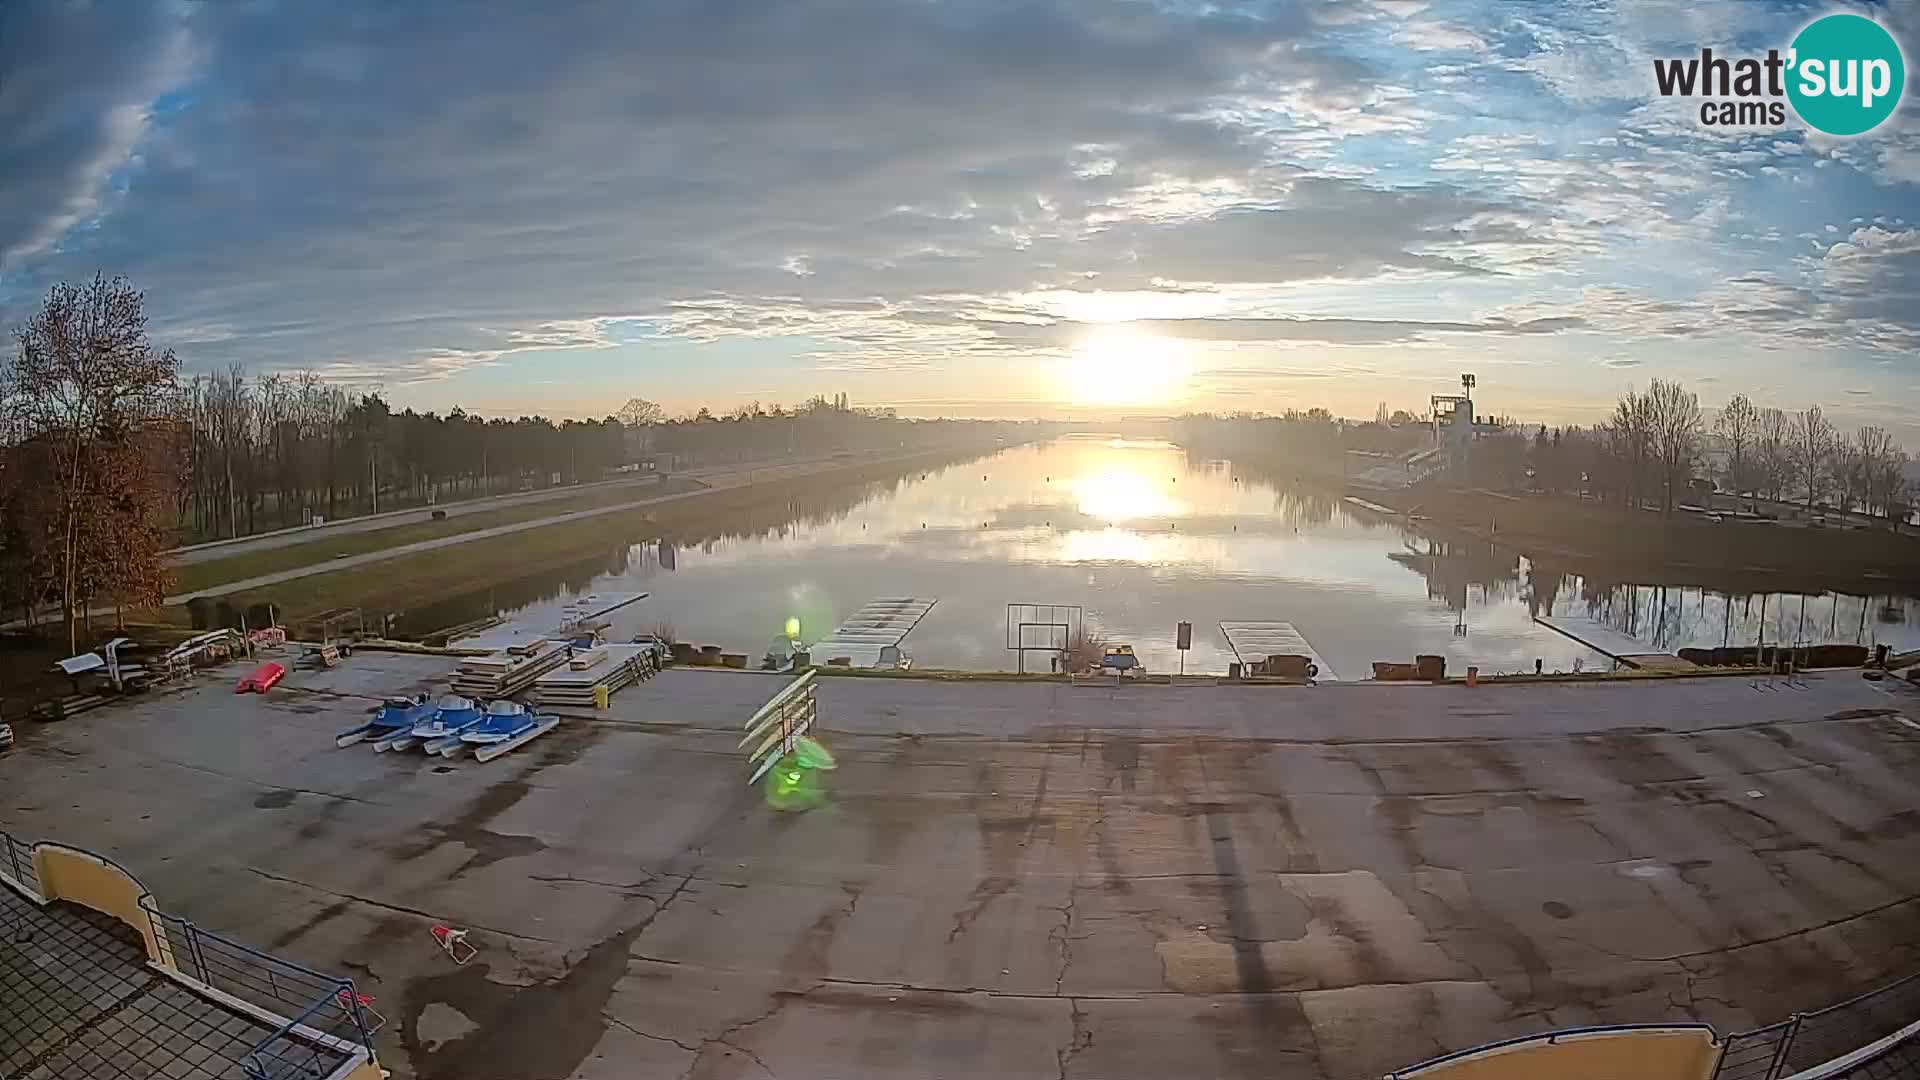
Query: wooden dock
{"x": 1613, "y": 644}
{"x": 583, "y": 609}
{"x": 1254, "y": 640}
{"x": 877, "y": 625}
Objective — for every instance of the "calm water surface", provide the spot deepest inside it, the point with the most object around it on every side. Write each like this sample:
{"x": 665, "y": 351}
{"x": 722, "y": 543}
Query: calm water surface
{"x": 1142, "y": 535}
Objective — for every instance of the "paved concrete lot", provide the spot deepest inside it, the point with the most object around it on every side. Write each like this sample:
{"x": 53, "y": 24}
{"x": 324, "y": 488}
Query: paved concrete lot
{"x": 1026, "y": 880}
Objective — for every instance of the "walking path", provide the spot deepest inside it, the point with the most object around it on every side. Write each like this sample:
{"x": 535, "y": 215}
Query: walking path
{"x": 214, "y": 550}
{"x": 716, "y": 480}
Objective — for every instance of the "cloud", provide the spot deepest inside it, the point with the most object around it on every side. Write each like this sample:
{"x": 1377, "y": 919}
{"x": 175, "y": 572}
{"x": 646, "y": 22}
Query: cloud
{"x": 400, "y": 182}
{"x": 1440, "y": 37}
{"x": 63, "y": 133}
{"x": 398, "y": 192}
{"x": 1339, "y": 331}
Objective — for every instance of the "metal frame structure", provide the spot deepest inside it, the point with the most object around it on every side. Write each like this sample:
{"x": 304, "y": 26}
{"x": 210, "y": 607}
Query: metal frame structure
{"x": 1796, "y": 1045}
{"x": 1807, "y": 1039}
{"x": 1068, "y": 619}
{"x": 318, "y": 1023}
{"x": 779, "y": 724}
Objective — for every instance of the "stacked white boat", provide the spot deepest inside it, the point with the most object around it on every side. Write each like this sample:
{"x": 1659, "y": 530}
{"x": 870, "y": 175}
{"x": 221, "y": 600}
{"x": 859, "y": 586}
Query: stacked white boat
{"x": 612, "y": 667}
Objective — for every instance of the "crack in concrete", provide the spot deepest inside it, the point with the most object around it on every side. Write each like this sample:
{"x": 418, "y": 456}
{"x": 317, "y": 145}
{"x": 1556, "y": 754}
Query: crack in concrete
{"x": 1079, "y": 1040}
{"x": 660, "y": 906}
{"x": 627, "y": 887}
{"x": 751, "y": 1056}
{"x": 400, "y": 908}
{"x": 1828, "y": 925}
{"x": 1066, "y": 935}
{"x": 631, "y": 1030}
{"x": 727, "y": 1035}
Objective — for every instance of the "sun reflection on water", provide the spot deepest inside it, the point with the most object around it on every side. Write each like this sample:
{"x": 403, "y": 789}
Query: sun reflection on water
{"x": 1117, "y": 493}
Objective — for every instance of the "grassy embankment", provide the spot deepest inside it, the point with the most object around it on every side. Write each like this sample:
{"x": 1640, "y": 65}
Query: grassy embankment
{"x": 1602, "y": 538}
{"x": 420, "y": 579}
{"x": 203, "y": 575}
{"x": 1729, "y": 555}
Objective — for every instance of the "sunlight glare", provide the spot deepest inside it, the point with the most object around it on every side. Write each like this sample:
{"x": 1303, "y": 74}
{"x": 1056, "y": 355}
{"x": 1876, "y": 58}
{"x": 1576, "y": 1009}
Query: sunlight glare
{"x": 1115, "y": 365}
{"x": 1119, "y": 494}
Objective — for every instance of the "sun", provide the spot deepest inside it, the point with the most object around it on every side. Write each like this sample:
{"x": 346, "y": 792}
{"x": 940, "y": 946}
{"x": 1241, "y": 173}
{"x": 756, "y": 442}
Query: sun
{"x": 1115, "y": 365}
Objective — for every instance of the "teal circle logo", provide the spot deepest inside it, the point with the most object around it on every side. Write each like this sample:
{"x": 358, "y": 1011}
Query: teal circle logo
{"x": 1846, "y": 74}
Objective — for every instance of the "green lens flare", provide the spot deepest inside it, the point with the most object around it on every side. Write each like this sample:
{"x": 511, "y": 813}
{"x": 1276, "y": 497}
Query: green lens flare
{"x": 793, "y": 627}
{"x": 794, "y": 785}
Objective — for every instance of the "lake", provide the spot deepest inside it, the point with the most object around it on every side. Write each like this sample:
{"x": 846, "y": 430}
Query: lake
{"x": 1141, "y": 535}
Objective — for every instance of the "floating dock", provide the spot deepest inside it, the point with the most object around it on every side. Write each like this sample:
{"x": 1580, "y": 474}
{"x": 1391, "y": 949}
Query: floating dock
{"x": 877, "y": 625}
{"x": 580, "y": 612}
{"x": 612, "y": 666}
{"x": 1254, "y": 640}
{"x": 1371, "y": 507}
{"x": 509, "y": 671}
{"x": 1613, "y": 644}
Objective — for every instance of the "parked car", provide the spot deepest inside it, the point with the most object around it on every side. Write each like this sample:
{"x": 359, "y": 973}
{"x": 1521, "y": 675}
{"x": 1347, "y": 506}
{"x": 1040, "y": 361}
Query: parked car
{"x": 6, "y": 738}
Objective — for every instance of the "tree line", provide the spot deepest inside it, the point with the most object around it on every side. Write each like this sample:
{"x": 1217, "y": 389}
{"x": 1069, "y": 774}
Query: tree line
{"x": 109, "y": 457}
{"x": 1657, "y": 449}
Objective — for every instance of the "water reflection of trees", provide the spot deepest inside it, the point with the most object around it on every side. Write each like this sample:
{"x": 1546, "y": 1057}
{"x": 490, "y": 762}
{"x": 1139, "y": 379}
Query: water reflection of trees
{"x": 703, "y": 527}
{"x": 1451, "y": 567}
{"x": 779, "y": 518}
{"x": 549, "y": 585}
{"x": 1671, "y": 617}
{"x": 1297, "y": 504}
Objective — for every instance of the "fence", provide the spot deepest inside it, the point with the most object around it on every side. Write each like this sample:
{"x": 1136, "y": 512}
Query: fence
{"x": 1808, "y": 1039}
{"x": 327, "y": 1019}
{"x": 16, "y": 862}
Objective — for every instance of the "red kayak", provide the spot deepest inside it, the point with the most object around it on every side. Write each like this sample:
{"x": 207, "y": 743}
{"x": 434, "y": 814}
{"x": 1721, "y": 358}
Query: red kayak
{"x": 262, "y": 680}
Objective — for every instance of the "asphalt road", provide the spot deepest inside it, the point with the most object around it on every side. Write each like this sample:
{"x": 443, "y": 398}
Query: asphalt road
{"x": 1021, "y": 880}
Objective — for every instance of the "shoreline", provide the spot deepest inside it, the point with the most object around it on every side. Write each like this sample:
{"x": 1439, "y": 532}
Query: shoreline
{"x": 506, "y": 553}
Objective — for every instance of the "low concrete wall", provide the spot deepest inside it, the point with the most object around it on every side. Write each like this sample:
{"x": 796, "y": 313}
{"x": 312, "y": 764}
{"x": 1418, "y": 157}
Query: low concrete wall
{"x": 1675, "y": 1053}
{"x": 90, "y": 881}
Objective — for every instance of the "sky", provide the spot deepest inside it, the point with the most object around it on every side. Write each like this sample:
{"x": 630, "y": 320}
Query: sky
{"x": 965, "y": 207}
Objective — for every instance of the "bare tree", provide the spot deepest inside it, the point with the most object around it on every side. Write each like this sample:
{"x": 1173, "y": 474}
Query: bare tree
{"x": 639, "y": 412}
{"x": 1813, "y": 446}
{"x": 1882, "y": 463}
{"x": 1674, "y": 418}
{"x": 87, "y": 382}
{"x": 1630, "y": 441}
{"x": 1846, "y": 471}
{"x": 1773, "y": 442}
{"x": 1738, "y": 426}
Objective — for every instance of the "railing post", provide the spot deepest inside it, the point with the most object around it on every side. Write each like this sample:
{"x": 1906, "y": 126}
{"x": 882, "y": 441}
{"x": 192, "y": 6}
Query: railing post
{"x": 199, "y": 953}
{"x": 1780, "y": 1049}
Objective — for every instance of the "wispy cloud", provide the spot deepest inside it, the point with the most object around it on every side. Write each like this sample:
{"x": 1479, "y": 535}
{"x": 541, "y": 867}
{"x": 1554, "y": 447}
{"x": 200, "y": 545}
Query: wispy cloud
{"x": 394, "y": 193}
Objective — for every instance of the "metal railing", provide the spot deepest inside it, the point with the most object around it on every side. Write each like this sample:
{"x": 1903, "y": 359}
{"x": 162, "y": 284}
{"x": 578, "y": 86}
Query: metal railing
{"x": 1804, "y": 1040}
{"x": 16, "y": 861}
{"x": 326, "y": 1018}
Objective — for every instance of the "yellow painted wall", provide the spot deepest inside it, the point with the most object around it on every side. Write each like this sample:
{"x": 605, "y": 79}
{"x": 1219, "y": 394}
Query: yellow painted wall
{"x": 1651, "y": 1054}
{"x": 77, "y": 877}
{"x": 368, "y": 1070}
